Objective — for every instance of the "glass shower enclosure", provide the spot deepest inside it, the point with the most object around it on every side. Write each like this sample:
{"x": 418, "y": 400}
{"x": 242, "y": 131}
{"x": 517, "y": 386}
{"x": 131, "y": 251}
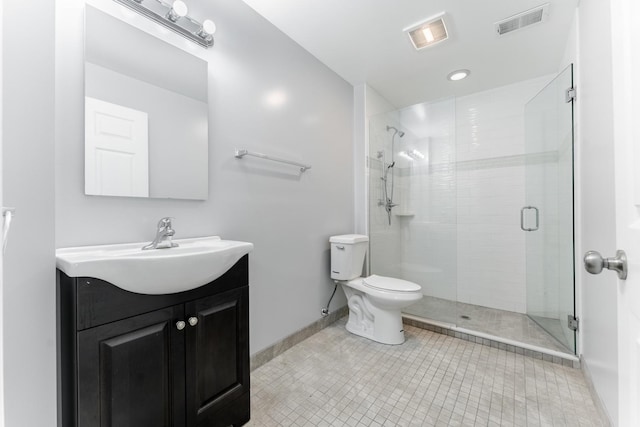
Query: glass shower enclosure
{"x": 456, "y": 220}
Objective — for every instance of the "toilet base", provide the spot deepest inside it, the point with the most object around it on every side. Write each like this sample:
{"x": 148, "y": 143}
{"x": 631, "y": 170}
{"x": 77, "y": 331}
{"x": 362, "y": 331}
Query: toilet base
{"x": 396, "y": 339}
{"x": 368, "y": 321}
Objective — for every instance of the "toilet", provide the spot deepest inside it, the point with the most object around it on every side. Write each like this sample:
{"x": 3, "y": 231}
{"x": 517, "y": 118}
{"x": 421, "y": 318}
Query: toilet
{"x": 375, "y": 302}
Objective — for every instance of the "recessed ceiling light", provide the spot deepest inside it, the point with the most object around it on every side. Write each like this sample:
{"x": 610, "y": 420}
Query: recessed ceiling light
{"x": 458, "y": 75}
{"x": 427, "y": 32}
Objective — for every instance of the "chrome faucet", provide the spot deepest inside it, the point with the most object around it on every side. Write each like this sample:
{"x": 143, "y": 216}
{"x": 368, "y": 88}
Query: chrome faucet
{"x": 164, "y": 234}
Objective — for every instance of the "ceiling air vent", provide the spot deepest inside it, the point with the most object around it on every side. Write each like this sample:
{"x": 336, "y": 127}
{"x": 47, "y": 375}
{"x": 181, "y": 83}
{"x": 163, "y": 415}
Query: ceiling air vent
{"x": 524, "y": 19}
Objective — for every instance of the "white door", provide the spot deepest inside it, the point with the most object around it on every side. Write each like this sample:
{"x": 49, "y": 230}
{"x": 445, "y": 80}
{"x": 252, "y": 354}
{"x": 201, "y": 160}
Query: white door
{"x": 116, "y": 150}
{"x": 626, "y": 69}
{"x": 1, "y": 255}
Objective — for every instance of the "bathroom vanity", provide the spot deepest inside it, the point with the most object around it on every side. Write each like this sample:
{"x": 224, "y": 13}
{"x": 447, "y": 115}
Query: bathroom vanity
{"x": 176, "y": 359}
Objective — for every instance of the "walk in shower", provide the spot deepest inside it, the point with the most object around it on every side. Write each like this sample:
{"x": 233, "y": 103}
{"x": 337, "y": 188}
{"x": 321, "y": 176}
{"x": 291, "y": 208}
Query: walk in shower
{"x": 482, "y": 209}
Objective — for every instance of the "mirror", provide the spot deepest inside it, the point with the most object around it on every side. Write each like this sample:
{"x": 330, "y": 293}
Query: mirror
{"x": 146, "y": 114}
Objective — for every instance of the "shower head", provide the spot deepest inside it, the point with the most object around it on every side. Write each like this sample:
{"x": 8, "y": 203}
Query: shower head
{"x": 399, "y": 132}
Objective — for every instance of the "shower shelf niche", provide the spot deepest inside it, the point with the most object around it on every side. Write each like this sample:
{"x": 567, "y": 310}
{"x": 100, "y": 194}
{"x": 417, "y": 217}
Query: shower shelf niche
{"x": 405, "y": 214}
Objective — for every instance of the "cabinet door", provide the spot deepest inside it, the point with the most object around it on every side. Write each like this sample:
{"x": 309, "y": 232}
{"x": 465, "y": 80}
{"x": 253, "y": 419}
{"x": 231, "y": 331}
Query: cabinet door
{"x": 217, "y": 360}
{"x": 126, "y": 372}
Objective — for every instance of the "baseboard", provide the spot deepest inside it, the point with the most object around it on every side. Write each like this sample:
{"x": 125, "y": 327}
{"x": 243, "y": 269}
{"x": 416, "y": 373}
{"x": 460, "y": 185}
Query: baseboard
{"x": 265, "y": 355}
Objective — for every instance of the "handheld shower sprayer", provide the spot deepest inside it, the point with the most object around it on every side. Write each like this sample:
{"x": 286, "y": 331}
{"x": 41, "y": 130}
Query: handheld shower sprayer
{"x": 388, "y": 195}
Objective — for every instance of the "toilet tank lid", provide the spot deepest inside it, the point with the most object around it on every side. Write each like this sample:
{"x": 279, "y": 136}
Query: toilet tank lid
{"x": 349, "y": 239}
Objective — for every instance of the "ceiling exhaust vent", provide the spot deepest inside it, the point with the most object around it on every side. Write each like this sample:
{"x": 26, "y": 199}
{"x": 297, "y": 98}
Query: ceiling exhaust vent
{"x": 524, "y": 19}
{"x": 427, "y": 32}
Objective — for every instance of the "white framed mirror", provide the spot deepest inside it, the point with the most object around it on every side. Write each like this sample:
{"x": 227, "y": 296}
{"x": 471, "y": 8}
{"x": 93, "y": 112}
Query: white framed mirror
{"x": 146, "y": 114}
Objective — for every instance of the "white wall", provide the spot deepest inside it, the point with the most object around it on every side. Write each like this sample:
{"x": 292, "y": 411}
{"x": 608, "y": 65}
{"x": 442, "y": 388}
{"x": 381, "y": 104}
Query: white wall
{"x": 360, "y": 171}
{"x": 2, "y": 423}
{"x": 28, "y": 184}
{"x": 597, "y": 202}
{"x": 265, "y": 94}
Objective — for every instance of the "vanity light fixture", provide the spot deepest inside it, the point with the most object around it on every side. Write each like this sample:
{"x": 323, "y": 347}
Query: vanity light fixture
{"x": 458, "y": 75}
{"x": 175, "y": 17}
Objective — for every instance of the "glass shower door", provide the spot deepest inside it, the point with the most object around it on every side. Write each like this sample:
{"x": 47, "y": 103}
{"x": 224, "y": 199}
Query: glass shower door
{"x": 547, "y": 216}
{"x": 418, "y": 241}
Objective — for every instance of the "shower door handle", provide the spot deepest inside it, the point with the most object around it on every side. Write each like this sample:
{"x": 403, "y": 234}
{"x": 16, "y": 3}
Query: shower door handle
{"x": 522, "y": 218}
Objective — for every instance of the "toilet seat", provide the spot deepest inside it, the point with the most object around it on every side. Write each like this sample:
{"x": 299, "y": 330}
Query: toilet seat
{"x": 390, "y": 284}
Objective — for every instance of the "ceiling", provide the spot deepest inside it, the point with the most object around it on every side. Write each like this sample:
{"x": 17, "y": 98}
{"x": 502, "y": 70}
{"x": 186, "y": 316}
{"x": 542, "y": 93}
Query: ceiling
{"x": 363, "y": 42}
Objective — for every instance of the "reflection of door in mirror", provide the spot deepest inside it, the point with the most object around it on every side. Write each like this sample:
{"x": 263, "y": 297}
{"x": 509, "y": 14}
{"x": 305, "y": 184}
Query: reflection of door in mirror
{"x": 130, "y": 70}
{"x": 117, "y": 147}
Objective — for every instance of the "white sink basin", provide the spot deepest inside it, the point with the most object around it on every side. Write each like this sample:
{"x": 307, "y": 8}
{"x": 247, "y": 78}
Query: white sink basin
{"x": 194, "y": 263}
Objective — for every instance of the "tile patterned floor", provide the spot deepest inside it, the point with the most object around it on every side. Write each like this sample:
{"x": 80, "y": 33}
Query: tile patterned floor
{"x": 335, "y": 378}
{"x": 505, "y": 324}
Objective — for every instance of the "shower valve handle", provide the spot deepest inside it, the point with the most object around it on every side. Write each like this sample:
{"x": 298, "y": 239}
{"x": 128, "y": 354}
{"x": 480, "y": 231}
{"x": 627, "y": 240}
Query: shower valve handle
{"x": 594, "y": 263}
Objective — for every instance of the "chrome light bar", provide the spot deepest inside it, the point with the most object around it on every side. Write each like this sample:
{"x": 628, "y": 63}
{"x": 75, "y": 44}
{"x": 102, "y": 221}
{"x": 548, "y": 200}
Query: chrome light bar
{"x": 176, "y": 20}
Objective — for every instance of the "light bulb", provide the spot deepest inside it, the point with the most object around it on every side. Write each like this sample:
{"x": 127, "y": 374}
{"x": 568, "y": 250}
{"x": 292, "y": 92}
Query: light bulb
{"x": 428, "y": 35}
{"x": 206, "y": 30}
{"x": 178, "y": 10}
{"x": 208, "y": 27}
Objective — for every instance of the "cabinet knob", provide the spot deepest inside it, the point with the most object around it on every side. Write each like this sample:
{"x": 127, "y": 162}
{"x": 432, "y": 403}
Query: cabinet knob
{"x": 180, "y": 325}
{"x": 193, "y": 321}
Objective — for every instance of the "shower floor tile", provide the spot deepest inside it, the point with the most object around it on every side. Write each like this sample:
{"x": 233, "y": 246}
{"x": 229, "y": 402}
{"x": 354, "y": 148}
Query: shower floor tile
{"x": 335, "y": 378}
{"x": 506, "y": 324}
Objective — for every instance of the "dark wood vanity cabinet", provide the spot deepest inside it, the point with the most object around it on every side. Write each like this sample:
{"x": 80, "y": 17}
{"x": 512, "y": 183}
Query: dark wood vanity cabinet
{"x": 131, "y": 360}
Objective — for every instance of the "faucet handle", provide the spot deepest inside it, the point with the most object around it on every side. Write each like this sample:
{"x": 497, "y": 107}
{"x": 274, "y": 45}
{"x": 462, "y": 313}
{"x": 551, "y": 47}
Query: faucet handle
{"x": 165, "y": 222}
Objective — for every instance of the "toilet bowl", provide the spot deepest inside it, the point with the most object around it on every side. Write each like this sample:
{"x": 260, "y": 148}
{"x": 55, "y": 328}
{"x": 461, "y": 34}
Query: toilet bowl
{"x": 375, "y": 302}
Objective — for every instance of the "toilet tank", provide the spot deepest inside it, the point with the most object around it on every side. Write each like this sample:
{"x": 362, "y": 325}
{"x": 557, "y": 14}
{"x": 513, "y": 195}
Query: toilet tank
{"x": 347, "y": 255}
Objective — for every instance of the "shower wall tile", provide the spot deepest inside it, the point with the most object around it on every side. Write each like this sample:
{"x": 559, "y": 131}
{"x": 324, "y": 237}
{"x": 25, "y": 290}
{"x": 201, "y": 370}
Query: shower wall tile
{"x": 491, "y": 123}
